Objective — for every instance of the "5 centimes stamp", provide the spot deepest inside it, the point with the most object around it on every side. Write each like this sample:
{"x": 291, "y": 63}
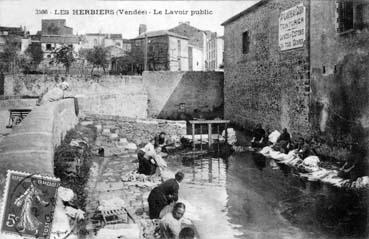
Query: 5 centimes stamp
{"x": 28, "y": 204}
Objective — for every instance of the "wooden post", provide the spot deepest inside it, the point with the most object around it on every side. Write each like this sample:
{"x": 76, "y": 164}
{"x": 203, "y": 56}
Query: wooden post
{"x": 226, "y": 133}
{"x": 209, "y": 134}
{"x": 201, "y": 137}
{"x": 218, "y": 138}
{"x": 193, "y": 136}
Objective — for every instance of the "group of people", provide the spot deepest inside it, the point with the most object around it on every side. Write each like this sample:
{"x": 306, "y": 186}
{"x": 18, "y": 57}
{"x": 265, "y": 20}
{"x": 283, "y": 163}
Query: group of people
{"x": 163, "y": 199}
{"x": 283, "y": 143}
{"x": 164, "y": 205}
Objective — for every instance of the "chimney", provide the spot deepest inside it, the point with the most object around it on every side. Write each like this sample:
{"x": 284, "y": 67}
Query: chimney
{"x": 142, "y": 29}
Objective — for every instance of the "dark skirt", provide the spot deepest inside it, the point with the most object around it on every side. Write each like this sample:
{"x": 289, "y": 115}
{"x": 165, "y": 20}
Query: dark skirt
{"x": 157, "y": 201}
{"x": 144, "y": 165}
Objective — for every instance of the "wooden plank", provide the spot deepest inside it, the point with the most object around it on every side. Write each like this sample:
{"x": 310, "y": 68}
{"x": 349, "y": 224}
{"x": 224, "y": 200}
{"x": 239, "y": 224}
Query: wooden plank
{"x": 209, "y": 121}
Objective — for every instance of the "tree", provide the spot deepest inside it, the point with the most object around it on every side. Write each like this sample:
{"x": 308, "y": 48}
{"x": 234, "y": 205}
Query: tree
{"x": 64, "y": 55}
{"x": 31, "y": 58}
{"x": 8, "y": 56}
{"x": 98, "y": 57}
{"x": 25, "y": 62}
{"x": 35, "y": 52}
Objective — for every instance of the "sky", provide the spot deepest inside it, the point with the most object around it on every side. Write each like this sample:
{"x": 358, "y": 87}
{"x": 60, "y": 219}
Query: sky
{"x": 29, "y": 13}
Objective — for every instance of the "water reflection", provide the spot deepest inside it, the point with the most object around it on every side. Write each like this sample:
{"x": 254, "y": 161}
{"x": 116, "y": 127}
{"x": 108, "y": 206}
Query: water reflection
{"x": 246, "y": 196}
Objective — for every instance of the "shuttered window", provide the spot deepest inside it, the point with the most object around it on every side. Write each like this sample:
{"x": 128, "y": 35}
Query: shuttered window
{"x": 345, "y": 10}
{"x": 245, "y": 42}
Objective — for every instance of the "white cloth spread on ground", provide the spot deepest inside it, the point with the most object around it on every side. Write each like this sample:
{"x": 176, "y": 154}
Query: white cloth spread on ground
{"x": 310, "y": 164}
{"x": 231, "y": 136}
{"x": 273, "y": 137}
{"x": 311, "y": 161}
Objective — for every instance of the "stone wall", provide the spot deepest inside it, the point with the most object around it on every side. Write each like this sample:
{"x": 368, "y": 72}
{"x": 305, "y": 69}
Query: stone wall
{"x": 30, "y": 145}
{"x": 266, "y": 85}
{"x": 136, "y": 130}
{"x": 5, "y": 105}
{"x": 110, "y": 95}
{"x": 155, "y": 94}
{"x": 202, "y": 91}
{"x": 339, "y": 65}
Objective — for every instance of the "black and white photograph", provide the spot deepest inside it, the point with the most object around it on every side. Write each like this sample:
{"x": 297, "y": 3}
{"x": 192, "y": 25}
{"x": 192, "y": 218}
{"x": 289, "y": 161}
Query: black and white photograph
{"x": 187, "y": 119}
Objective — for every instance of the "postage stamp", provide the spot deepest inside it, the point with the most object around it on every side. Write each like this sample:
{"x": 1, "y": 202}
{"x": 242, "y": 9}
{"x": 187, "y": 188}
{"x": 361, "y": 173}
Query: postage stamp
{"x": 28, "y": 204}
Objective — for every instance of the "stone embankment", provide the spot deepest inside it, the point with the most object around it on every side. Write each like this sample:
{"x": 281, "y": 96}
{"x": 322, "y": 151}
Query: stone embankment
{"x": 30, "y": 146}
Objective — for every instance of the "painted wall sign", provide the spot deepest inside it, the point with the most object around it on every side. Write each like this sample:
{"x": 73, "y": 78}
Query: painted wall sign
{"x": 292, "y": 28}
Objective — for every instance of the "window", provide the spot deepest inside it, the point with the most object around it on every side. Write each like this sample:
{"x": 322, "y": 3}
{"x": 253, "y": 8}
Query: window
{"x": 179, "y": 48}
{"x": 95, "y": 42}
{"x": 245, "y": 42}
{"x": 345, "y": 10}
{"x": 359, "y": 16}
{"x": 48, "y": 47}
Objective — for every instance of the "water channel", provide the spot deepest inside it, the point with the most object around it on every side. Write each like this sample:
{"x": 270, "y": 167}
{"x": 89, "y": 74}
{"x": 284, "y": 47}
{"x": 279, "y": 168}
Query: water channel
{"x": 247, "y": 196}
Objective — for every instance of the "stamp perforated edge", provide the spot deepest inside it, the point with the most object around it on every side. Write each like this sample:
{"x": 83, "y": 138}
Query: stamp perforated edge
{"x": 5, "y": 195}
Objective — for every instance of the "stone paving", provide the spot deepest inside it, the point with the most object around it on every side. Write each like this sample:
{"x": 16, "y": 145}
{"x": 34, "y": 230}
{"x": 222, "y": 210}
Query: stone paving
{"x": 112, "y": 177}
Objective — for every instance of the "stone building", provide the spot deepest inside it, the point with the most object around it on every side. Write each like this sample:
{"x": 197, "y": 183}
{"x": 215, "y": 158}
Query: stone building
{"x": 166, "y": 51}
{"x": 215, "y": 46}
{"x": 286, "y": 62}
{"x": 55, "y": 34}
{"x": 13, "y": 34}
{"x": 90, "y": 40}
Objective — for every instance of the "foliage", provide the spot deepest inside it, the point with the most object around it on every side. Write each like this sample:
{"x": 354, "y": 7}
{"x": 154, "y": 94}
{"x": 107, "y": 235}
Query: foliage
{"x": 9, "y": 55}
{"x": 25, "y": 62}
{"x": 98, "y": 57}
{"x": 35, "y": 53}
{"x": 64, "y": 55}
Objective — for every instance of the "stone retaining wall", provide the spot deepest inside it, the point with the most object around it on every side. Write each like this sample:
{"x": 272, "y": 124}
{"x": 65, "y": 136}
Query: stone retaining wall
{"x": 136, "y": 130}
{"x": 108, "y": 95}
{"x": 30, "y": 145}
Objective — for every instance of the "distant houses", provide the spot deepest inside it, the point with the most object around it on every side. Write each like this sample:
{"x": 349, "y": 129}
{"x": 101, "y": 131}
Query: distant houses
{"x": 182, "y": 48}
{"x": 54, "y": 34}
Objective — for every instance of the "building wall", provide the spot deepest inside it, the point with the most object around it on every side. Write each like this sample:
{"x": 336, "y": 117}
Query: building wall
{"x": 172, "y": 92}
{"x": 113, "y": 42}
{"x": 339, "y": 71}
{"x": 55, "y": 27}
{"x": 266, "y": 85}
{"x": 220, "y": 52}
{"x": 92, "y": 40}
{"x": 197, "y": 61}
{"x": 196, "y": 37}
{"x": 157, "y": 51}
{"x": 178, "y": 54}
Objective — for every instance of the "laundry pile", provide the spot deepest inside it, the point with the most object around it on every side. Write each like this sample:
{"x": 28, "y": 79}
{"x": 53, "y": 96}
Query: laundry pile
{"x": 140, "y": 180}
{"x": 310, "y": 169}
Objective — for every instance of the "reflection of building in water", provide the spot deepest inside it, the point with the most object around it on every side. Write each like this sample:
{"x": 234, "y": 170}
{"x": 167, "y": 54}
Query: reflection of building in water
{"x": 209, "y": 170}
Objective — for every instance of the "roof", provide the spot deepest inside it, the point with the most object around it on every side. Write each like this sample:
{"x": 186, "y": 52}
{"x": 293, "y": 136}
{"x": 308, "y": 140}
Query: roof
{"x": 12, "y": 30}
{"x": 244, "y": 12}
{"x": 60, "y": 39}
{"x": 160, "y": 33}
{"x": 112, "y": 35}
